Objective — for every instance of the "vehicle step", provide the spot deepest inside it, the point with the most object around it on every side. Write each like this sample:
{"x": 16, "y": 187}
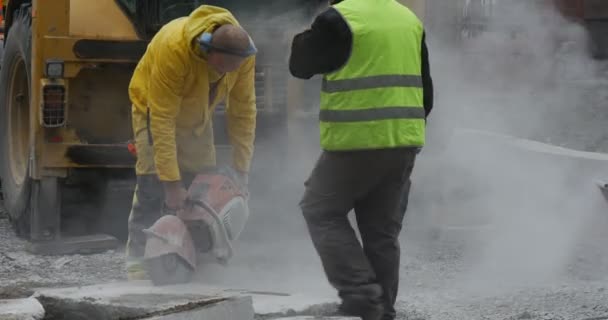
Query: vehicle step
{"x": 74, "y": 245}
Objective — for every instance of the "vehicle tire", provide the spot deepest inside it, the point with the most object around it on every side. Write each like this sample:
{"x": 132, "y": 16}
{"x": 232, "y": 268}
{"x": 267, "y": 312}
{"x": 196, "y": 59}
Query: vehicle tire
{"x": 1, "y": 52}
{"x": 15, "y": 80}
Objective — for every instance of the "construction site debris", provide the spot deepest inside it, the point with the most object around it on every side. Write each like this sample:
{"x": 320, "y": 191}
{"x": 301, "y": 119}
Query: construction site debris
{"x": 21, "y": 309}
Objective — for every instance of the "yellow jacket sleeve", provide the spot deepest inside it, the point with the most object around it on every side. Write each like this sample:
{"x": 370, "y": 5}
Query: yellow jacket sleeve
{"x": 164, "y": 99}
{"x": 241, "y": 116}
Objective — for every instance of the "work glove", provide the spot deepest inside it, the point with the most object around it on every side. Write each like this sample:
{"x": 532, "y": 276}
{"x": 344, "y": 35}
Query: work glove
{"x": 243, "y": 178}
{"x": 243, "y": 181}
{"x": 175, "y": 197}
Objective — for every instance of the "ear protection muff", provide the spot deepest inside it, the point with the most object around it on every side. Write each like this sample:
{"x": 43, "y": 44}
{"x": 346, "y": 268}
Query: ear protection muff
{"x": 204, "y": 41}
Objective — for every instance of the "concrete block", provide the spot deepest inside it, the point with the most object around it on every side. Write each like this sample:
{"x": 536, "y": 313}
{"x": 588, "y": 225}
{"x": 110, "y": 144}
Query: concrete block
{"x": 290, "y": 304}
{"x": 480, "y": 138}
{"x": 141, "y": 300}
{"x": 21, "y": 309}
{"x": 233, "y": 308}
{"x": 319, "y": 318}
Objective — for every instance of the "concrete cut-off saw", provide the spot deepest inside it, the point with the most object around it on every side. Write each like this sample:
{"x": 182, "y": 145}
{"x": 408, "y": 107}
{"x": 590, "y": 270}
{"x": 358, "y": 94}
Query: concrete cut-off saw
{"x": 214, "y": 216}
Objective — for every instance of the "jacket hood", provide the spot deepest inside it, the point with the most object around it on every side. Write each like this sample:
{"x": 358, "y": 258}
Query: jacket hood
{"x": 206, "y": 18}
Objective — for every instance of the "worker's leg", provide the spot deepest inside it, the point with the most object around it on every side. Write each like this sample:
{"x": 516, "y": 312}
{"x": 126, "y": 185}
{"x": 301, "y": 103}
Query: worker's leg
{"x": 380, "y": 217}
{"x": 147, "y": 200}
{"x": 146, "y": 209}
{"x": 330, "y": 192}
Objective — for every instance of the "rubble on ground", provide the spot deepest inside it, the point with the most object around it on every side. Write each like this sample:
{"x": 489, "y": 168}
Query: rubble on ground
{"x": 19, "y": 269}
{"x": 21, "y": 309}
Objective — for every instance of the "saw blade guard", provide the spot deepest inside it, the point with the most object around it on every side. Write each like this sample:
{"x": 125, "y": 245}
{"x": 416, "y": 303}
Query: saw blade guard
{"x": 169, "y": 234}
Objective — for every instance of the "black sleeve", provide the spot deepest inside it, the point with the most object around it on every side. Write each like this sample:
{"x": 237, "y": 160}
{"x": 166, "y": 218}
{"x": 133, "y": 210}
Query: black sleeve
{"x": 427, "y": 81}
{"x": 323, "y": 48}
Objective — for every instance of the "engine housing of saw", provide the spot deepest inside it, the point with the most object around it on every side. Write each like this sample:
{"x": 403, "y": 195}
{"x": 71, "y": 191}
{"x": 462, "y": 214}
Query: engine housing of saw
{"x": 216, "y": 213}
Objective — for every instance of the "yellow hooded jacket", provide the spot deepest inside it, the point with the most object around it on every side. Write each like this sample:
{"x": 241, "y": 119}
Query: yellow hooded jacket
{"x": 170, "y": 93}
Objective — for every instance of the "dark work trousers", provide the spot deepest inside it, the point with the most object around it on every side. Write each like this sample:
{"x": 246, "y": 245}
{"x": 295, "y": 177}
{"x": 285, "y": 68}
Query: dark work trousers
{"x": 376, "y": 185}
{"x": 147, "y": 207}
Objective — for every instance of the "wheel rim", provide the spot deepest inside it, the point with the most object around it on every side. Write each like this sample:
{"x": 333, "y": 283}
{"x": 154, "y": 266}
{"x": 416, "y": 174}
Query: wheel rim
{"x": 18, "y": 122}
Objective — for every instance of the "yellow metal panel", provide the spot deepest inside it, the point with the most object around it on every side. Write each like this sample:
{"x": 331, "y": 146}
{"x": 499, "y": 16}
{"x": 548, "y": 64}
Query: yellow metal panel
{"x": 54, "y": 156}
{"x": 417, "y": 6}
{"x": 99, "y": 104}
{"x": 49, "y": 18}
{"x": 100, "y": 19}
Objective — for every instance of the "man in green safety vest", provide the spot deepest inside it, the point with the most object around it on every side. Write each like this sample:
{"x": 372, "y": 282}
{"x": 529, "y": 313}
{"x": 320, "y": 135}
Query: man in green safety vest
{"x": 376, "y": 95}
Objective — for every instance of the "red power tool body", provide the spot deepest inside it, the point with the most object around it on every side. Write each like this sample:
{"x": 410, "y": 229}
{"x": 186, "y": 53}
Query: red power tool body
{"x": 216, "y": 213}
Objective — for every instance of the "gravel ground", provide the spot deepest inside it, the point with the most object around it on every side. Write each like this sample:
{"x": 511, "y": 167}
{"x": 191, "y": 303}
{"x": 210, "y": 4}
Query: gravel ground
{"x": 557, "y": 302}
{"x": 436, "y": 279}
{"x": 21, "y": 271}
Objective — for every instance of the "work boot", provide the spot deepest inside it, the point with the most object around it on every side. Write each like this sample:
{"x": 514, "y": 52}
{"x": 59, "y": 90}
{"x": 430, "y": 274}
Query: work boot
{"x": 365, "y": 303}
{"x": 374, "y": 312}
{"x": 136, "y": 271}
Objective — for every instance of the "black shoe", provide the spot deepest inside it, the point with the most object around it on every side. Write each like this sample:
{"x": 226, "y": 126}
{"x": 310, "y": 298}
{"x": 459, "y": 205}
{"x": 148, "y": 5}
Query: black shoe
{"x": 369, "y": 312}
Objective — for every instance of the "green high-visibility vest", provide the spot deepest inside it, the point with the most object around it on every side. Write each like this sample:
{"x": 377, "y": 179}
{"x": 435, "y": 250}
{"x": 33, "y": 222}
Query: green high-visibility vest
{"x": 375, "y": 100}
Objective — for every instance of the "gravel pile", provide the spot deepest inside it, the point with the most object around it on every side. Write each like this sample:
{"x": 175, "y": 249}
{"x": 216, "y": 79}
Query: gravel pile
{"x": 568, "y": 301}
{"x": 21, "y": 271}
{"x": 440, "y": 278}
{"x": 436, "y": 279}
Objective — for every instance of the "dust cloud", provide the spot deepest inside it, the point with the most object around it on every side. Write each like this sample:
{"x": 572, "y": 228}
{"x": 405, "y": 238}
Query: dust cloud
{"x": 274, "y": 252}
{"x": 523, "y": 214}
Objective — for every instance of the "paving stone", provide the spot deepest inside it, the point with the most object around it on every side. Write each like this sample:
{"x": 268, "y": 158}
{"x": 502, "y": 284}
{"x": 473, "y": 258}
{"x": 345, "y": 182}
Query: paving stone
{"x": 319, "y": 318}
{"x": 21, "y": 309}
{"x": 141, "y": 300}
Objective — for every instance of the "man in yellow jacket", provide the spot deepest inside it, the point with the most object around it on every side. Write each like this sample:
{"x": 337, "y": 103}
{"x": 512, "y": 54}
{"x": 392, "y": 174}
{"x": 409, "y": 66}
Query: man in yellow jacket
{"x": 190, "y": 66}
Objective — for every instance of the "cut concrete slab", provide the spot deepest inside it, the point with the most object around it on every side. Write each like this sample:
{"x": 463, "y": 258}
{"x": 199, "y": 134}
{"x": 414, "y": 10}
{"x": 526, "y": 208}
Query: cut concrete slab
{"x": 233, "y": 308}
{"x": 293, "y": 303}
{"x": 142, "y": 300}
{"x": 21, "y": 309}
{"x": 480, "y": 136}
{"x": 319, "y": 318}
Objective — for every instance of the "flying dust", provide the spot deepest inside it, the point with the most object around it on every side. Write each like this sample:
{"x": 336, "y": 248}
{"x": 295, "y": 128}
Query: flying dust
{"x": 522, "y": 214}
{"x": 520, "y": 217}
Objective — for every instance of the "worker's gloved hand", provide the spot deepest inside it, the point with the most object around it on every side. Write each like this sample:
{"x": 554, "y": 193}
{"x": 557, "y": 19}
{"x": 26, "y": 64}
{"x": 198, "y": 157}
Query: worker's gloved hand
{"x": 243, "y": 181}
{"x": 175, "y": 196}
{"x": 243, "y": 178}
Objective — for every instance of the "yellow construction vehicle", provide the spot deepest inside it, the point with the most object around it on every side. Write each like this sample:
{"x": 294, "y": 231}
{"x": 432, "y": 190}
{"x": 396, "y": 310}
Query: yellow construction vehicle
{"x": 65, "y": 167}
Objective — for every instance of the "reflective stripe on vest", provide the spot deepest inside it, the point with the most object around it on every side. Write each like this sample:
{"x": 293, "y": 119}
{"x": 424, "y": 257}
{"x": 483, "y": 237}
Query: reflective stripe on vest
{"x": 375, "y": 100}
{"x": 331, "y": 86}
{"x": 384, "y": 113}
